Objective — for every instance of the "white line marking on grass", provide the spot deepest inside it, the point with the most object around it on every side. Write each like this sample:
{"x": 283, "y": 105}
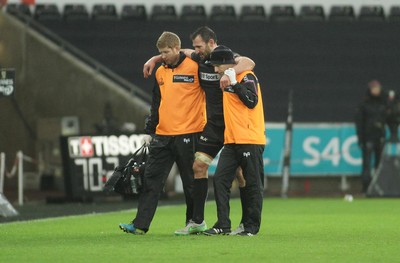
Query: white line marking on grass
{"x": 76, "y": 216}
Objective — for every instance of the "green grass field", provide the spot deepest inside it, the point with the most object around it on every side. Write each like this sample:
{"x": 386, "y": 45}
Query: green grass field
{"x": 293, "y": 230}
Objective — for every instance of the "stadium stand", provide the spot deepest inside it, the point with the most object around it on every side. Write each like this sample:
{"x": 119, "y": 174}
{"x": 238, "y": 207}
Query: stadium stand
{"x": 223, "y": 13}
{"x": 252, "y": 13}
{"x": 134, "y": 12}
{"x": 163, "y": 13}
{"x": 193, "y": 13}
{"x": 312, "y": 13}
{"x": 75, "y": 12}
{"x": 314, "y": 51}
{"x": 341, "y": 13}
{"x": 47, "y": 12}
{"x": 282, "y": 13}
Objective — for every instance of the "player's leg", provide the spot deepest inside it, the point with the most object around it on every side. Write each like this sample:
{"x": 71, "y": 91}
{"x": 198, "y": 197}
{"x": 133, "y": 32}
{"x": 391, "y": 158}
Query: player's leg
{"x": 242, "y": 189}
{"x": 184, "y": 149}
{"x": 367, "y": 150}
{"x": 253, "y": 171}
{"x": 222, "y": 181}
{"x": 158, "y": 165}
{"x": 209, "y": 145}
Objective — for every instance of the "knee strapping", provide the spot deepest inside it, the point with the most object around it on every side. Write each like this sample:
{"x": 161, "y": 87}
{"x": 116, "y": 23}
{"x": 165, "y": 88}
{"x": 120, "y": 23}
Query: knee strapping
{"x": 202, "y": 157}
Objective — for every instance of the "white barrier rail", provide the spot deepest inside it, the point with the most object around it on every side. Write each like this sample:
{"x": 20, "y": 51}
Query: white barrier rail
{"x": 18, "y": 165}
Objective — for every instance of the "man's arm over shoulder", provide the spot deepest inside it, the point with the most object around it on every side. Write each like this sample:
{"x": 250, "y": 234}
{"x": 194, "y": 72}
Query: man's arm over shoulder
{"x": 188, "y": 52}
{"x": 150, "y": 64}
{"x": 242, "y": 64}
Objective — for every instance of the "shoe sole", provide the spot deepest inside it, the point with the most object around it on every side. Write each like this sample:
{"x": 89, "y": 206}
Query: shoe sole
{"x": 196, "y": 232}
{"x": 125, "y": 230}
{"x": 130, "y": 232}
{"x": 219, "y": 234}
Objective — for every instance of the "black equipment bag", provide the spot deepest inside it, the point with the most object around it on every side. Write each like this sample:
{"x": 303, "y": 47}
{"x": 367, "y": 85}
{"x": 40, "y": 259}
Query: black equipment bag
{"x": 128, "y": 179}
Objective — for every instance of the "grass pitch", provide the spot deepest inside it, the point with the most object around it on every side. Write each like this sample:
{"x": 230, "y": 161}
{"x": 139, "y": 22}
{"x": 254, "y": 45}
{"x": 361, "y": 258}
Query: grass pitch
{"x": 293, "y": 230}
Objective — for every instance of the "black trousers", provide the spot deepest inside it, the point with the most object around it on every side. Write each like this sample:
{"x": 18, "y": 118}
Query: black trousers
{"x": 371, "y": 150}
{"x": 250, "y": 158}
{"x": 163, "y": 152}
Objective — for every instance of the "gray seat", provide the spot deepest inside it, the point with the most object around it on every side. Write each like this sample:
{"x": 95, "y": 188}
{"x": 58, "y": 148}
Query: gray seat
{"x": 371, "y": 13}
{"x": 104, "y": 12}
{"x": 163, "y": 13}
{"x": 134, "y": 12}
{"x": 252, "y": 13}
{"x": 193, "y": 13}
{"x": 342, "y": 13}
{"x": 46, "y": 12}
{"x": 282, "y": 13}
{"x": 311, "y": 13}
{"x": 223, "y": 13}
{"x": 75, "y": 12}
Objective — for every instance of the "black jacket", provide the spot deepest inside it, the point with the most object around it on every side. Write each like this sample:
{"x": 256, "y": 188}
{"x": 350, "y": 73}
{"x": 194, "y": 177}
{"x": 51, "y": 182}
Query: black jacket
{"x": 370, "y": 118}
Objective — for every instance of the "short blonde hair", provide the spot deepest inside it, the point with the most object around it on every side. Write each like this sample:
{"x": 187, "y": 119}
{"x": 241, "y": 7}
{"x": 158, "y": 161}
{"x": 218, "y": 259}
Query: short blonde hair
{"x": 168, "y": 39}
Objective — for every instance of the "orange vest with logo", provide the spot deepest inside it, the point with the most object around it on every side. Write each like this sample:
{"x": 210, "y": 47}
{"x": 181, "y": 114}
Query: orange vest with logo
{"x": 243, "y": 125}
{"x": 182, "y": 108}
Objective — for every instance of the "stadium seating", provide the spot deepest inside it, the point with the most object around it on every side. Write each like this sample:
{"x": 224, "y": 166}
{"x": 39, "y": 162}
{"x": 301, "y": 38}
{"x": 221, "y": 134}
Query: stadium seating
{"x": 223, "y": 13}
{"x": 133, "y": 12}
{"x": 372, "y": 13}
{"x": 47, "y": 12}
{"x": 193, "y": 13}
{"x": 342, "y": 13}
{"x": 75, "y": 12}
{"x": 282, "y": 13}
{"x": 102, "y": 12}
{"x": 252, "y": 13}
{"x": 312, "y": 13}
{"x": 163, "y": 13}
{"x": 197, "y": 12}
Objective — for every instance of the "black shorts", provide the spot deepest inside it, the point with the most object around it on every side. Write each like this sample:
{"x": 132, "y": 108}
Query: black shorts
{"x": 211, "y": 140}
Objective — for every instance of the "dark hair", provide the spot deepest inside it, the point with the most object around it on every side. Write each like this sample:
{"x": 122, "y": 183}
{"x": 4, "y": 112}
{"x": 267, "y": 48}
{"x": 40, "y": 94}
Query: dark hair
{"x": 206, "y": 34}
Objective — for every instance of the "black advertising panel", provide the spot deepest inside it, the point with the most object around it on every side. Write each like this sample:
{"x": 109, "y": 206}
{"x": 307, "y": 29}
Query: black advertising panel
{"x": 88, "y": 161}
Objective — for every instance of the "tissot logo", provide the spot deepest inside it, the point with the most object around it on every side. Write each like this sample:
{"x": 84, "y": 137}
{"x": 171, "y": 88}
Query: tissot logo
{"x": 210, "y": 76}
{"x": 183, "y": 78}
{"x": 90, "y": 146}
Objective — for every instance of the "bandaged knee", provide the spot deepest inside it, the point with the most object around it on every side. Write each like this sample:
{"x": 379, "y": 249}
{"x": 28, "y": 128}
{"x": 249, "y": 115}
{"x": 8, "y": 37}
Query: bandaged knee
{"x": 202, "y": 157}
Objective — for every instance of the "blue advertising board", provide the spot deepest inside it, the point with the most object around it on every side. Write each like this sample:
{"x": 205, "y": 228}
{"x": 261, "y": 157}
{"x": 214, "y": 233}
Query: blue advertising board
{"x": 318, "y": 149}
